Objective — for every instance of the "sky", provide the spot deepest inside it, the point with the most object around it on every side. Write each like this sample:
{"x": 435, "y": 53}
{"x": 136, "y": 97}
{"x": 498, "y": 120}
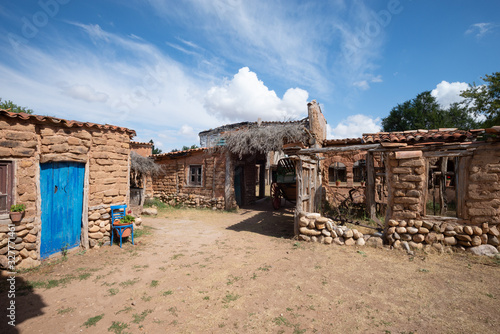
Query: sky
{"x": 170, "y": 69}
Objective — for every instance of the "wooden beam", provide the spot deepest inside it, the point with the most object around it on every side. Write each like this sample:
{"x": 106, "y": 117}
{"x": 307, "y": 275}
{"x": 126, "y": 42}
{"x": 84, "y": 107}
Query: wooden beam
{"x": 451, "y": 154}
{"x": 339, "y": 149}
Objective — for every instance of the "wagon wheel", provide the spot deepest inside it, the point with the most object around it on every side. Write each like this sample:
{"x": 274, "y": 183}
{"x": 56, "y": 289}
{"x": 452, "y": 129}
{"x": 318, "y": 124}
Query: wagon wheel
{"x": 276, "y": 196}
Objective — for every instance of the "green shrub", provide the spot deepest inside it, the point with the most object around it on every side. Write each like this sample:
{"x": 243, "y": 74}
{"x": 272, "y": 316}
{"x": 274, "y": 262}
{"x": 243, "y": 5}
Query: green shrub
{"x": 17, "y": 208}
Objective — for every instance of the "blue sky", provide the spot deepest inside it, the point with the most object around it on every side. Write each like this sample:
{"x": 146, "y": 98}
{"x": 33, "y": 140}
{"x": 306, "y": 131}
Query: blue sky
{"x": 169, "y": 69}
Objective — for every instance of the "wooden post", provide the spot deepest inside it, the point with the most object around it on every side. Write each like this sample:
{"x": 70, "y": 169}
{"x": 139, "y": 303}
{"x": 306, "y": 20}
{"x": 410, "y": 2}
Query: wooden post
{"x": 370, "y": 186}
{"x": 298, "y": 205}
{"x": 228, "y": 186}
{"x": 213, "y": 178}
{"x": 84, "y": 238}
{"x": 262, "y": 180}
{"x": 442, "y": 183}
{"x": 461, "y": 177}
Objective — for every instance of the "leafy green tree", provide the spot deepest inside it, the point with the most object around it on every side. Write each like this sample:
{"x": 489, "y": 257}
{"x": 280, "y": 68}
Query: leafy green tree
{"x": 189, "y": 147}
{"x": 459, "y": 116}
{"x": 485, "y": 99}
{"x": 422, "y": 112}
{"x": 155, "y": 150}
{"x": 14, "y": 107}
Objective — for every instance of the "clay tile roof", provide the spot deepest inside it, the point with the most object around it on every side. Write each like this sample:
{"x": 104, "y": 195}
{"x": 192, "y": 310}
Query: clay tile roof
{"x": 140, "y": 143}
{"x": 179, "y": 153}
{"x": 347, "y": 141}
{"x": 64, "y": 122}
{"x": 425, "y": 136}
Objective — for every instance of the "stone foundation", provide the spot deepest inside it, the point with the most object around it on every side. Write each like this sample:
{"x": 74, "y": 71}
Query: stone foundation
{"x": 313, "y": 227}
{"x": 24, "y": 236}
{"x": 419, "y": 233}
{"x": 193, "y": 201}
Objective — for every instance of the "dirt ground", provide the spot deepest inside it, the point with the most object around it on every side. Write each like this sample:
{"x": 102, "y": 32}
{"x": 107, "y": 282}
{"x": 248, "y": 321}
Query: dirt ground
{"x": 199, "y": 271}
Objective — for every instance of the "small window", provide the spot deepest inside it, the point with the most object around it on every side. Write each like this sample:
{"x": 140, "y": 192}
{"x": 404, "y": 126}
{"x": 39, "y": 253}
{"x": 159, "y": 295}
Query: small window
{"x": 337, "y": 172}
{"x": 359, "y": 171}
{"x": 6, "y": 185}
{"x": 195, "y": 175}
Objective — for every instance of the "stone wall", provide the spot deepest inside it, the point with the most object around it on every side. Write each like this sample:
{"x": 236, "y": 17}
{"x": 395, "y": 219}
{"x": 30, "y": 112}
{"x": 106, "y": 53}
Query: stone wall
{"x": 406, "y": 181}
{"x": 172, "y": 185}
{"x": 483, "y": 195}
{"x": 417, "y": 234}
{"x": 408, "y": 223}
{"x": 109, "y": 168}
{"x": 32, "y": 140}
{"x": 315, "y": 228}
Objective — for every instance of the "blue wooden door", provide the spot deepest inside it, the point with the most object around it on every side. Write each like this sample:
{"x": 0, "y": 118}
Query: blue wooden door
{"x": 61, "y": 185}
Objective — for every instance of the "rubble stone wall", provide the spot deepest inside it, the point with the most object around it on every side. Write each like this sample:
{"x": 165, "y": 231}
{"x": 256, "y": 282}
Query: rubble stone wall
{"x": 315, "y": 228}
{"x": 483, "y": 195}
{"x": 172, "y": 185}
{"x": 28, "y": 143}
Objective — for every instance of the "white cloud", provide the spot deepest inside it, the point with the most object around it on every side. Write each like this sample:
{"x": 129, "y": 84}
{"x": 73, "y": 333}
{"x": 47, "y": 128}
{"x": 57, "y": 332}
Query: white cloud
{"x": 85, "y": 93}
{"x": 365, "y": 84}
{"x": 480, "y": 29}
{"x": 353, "y": 127}
{"x": 447, "y": 93}
{"x": 245, "y": 97}
{"x": 120, "y": 80}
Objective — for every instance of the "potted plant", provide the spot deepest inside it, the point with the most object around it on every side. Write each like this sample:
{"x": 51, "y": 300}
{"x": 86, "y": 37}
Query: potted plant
{"x": 448, "y": 180}
{"x": 17, "y": 212}
{"x": 362, "y": 183}
{"x": 127, "y": 220}
{"x": 337, "y": 183}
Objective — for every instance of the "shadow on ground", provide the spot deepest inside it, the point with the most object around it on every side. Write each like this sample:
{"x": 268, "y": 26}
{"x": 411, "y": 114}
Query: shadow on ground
{"x": 27, "y": 304}
{"x": 267, "y": 221}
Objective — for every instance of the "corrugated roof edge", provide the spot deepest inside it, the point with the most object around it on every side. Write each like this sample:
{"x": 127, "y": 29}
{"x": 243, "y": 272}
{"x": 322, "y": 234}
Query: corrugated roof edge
{"x": 64, "y": 122}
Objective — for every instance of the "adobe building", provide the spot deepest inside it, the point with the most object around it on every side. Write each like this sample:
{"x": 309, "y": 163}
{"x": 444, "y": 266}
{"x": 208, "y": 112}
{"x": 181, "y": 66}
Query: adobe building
{"x": 434, "y": 187}
{"x": 67, "y": 174}
{"x": 214, "y": 177}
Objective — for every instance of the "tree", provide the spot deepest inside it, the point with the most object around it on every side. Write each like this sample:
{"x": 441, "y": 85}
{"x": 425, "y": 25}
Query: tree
{"x": 459, "y": 116}
{"x": 155, "y": 150}
{"x": 485, "y": 99}
{"x": 184, "y": 148}
{"x": 14, "y": 107}
{"x": 424, "y": 112}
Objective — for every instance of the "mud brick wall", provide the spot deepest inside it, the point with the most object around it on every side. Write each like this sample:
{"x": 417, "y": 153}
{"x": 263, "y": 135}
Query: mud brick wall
{"x": 27, "y": 143}
{"x": 483, "y": 195}
{"x": 331, "y": 190}
{"x": 172, "y": 187}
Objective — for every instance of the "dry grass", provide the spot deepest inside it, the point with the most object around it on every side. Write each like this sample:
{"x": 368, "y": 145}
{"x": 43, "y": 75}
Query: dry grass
{"x": 233, "y": 273}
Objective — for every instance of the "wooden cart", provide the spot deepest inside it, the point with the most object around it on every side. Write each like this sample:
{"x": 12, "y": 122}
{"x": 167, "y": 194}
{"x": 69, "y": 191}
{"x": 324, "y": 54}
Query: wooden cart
{"x": 284, "y": 185}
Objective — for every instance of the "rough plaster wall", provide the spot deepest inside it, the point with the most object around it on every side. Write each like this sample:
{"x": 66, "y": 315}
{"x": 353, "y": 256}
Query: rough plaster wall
{"x": 143, "y": 150}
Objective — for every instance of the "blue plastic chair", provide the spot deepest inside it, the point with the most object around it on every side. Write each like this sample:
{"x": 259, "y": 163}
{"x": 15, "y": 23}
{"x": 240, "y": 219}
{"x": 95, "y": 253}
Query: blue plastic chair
{"x": 118, "y": 212}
